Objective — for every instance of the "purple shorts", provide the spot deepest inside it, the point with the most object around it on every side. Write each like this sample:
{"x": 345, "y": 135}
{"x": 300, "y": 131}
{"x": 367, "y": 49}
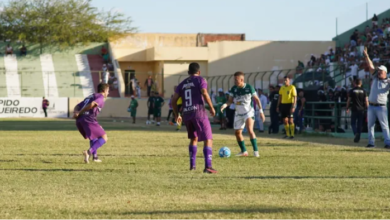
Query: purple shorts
{"x": 199, "y": 128}
{"x": 90, "y": 130}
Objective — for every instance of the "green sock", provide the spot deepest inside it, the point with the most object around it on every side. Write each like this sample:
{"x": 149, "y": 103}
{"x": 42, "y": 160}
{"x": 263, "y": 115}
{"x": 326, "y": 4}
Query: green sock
{"x": 242, "y": 145}
{"x": 254, "y": 144}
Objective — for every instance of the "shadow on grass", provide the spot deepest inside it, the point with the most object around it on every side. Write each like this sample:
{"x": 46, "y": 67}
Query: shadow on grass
{"x": 51, "y": 170}
{"x": 232, "y": 210}
{"x": 102, "y": 155}
{"x": 70, "y": 125}
{"x": 7, "y": 161}
{"x": 315, "y": 177}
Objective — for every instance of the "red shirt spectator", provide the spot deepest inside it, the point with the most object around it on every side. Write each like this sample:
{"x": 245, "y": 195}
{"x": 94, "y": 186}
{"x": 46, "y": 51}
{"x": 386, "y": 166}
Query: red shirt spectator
{"x": 104, "y": 50}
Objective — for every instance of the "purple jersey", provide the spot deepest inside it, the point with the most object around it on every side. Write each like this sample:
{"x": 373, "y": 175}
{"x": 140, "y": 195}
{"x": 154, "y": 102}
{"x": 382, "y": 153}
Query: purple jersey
{"x": 91, "y": 115}
{"x": 190, "y": 92}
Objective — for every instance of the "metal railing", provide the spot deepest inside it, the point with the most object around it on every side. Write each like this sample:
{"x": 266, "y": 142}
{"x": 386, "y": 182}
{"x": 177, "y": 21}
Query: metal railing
{"x": 326, "y": 113}
{"x": 264, "y": 79}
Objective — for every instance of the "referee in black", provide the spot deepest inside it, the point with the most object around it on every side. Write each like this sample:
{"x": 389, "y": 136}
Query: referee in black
{"x": 358, "y": 102}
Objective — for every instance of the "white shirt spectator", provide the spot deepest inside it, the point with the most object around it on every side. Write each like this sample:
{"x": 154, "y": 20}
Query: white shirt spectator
{"x": 354, "y": 70}
{"x": 263, "y": 101}
{"x": 105, "y": 76}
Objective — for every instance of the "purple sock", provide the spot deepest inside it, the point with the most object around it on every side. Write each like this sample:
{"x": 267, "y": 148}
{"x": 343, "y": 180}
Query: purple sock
{"x": 208, "y": 154}
{"x": 91, "y": 142}
{"x": 96, "y": 145}
{"x": 192, "y": 149}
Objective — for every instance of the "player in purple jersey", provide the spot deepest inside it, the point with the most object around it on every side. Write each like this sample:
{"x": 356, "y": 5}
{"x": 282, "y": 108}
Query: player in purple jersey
{"x": 193, "y": 92}
{"x": 85, "y": 114}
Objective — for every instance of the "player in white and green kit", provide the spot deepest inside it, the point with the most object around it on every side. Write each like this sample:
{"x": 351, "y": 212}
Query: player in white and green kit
{"x": 243, "y": 94}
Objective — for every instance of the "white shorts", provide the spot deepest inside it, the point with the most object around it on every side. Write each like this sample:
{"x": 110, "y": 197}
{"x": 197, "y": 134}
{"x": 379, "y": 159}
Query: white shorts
{"x": 239, "y": 120}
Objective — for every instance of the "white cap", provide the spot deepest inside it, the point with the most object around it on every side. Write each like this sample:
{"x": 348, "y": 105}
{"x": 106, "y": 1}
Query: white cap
{"x": 220, "y": 90}
{"x": 227, "y": 92}
{"x": 382, "y": 68}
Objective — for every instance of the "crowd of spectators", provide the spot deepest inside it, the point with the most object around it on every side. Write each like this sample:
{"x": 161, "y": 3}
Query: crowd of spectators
{"x": 108, "y": 75}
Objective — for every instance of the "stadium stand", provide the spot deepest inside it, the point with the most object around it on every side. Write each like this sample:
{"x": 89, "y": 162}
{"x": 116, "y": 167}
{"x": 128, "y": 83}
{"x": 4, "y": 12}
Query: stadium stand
{"x": 73, "y": 72}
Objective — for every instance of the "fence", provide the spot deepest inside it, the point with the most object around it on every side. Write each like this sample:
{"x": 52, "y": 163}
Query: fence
{"x": 302, "y": 78}
{"x": 75, "y": 83}
{"x": 329, "y": 115}
{"x": 50, "y": 83}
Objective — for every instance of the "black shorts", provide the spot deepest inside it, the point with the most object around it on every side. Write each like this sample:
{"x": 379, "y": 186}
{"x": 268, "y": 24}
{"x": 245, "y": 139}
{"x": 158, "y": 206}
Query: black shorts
{"x": 151, "y": 111}
{"x": 285, "y": 111}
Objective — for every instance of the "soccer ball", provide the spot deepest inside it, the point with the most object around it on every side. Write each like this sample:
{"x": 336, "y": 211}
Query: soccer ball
{"x": 224, "y": 152}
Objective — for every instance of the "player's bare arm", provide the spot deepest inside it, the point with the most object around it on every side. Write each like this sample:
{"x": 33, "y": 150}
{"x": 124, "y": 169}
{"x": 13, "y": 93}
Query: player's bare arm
{"x": 228, "y": 103}
{"x": 88, "y": 107}
{"x": 257, "y": 100}
{"x": 303, "y": 100}
{"x": 76, "y": 111}
{"x": 367, "y": 102}
{"x": 206, "y": 97}
{"x": 371, "y": 66}
{"x": 348, "y": 103}
{"x": 279, "y": 101}
{"x": 174, "y": 107}
{"x": 294, "y": 104}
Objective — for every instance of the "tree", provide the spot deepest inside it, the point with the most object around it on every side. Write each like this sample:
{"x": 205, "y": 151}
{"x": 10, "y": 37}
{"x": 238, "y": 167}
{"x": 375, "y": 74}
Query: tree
{"x": 60, "y": 22}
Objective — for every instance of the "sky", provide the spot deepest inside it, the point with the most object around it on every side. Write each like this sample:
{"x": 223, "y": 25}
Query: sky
{"x": 285, "y": 20}
{"x": 298, "y": 20}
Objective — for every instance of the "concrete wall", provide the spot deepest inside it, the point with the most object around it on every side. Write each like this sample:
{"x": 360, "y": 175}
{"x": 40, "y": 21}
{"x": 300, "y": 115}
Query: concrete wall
{"x": 117, "y": 107}
{"x": 174, "y": 52}
{"x": 178, "y": 71}
{"x": 252, "y": 56}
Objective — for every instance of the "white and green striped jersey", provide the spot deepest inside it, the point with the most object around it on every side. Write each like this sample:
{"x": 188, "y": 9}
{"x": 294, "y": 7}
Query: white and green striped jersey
{"x": 243, "y": 98}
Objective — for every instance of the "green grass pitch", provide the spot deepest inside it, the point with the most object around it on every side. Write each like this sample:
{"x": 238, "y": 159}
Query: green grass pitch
{"x": 145, "y": 174}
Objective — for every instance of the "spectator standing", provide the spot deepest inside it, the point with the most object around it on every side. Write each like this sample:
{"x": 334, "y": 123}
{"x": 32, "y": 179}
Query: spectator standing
{"x": 170, "y": 109}
{"x": 148, "y": 84}
{"x": 133, "y": 108}
{"x": 105, "y": 74}
{"x": 375, "y": 20}
{"x": 104, "y": 51}
{"x": 264, "y": 102}
{"x": 221, "y": 99}
{"x": 131, "y": 85}
{"x": 157, "y": 106}
{"x": 23, "y": 50}
{"x": 274, "y": 98}
{"x": 45, "y": 104}
{"x": 377, "y": 99}
{"x": 299, "y": 111}
{"x": 138, "y": 88}
{"x": 359, "y": 100}
{"x": 9, "y": 50}
{"x": 150, "y": 105}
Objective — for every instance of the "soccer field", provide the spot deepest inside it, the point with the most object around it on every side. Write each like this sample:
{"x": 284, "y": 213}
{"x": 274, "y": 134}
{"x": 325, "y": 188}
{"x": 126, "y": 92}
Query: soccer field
{"x": 145, "y": 174}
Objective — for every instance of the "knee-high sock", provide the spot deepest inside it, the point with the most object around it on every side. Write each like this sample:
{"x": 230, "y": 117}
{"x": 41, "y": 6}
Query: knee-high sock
{"x": 287, "y": 128}
{"x": 242, "y": 146}
{"x": 254, "y": 144}
{"x": 91, "y": 142}
{"x": 193, "y": 150}
{"x": 208, "y": 154}
{"x": 96, "y": 145}
{"x": 292, "y": 129}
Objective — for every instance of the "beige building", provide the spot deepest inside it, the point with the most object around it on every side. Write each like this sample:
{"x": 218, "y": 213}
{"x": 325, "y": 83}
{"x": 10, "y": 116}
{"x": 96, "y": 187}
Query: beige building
{"x": 166, "y": 56}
